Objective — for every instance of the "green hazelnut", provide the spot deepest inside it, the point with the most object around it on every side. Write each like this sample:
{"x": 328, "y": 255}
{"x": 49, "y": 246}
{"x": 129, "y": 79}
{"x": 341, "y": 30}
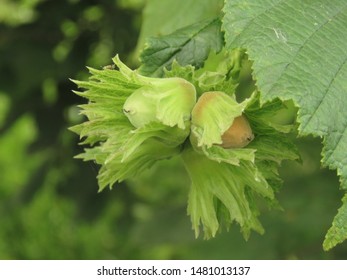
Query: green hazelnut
{"x": 166, "y": 100}
{"x": 217, "y": 119}
{"x": 140, "y": 109}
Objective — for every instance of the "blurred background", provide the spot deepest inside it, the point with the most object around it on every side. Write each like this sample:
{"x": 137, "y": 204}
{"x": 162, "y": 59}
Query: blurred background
{"x": 49, "y": 205}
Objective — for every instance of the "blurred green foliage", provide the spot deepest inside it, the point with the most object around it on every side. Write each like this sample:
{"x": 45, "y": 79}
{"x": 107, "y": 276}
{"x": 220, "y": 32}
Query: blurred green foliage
{"x": 49, "y": 205}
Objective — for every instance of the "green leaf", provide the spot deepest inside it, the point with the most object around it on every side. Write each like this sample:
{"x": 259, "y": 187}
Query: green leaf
{"x": 189, "y": 45}
{"x": 338, "y": 231}
{"x": 164, "y": 17}
{"x": 299, "y": 52}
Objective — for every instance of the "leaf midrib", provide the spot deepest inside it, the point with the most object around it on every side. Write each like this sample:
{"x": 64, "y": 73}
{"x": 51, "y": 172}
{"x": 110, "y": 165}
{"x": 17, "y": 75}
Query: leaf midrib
{"x": 180, "y": 47}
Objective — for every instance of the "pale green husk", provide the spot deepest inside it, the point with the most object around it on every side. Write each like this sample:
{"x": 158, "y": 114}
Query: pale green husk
{"x": 124, "y": 147}
{"x": 225, "y": 182}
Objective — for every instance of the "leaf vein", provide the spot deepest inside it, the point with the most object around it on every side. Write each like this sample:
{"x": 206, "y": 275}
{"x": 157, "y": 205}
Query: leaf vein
{"x": 325, "y": 94}
{"x": 302, "y": 46}
{"x": 180, "y": 47}
{"x": 257, "y": 16}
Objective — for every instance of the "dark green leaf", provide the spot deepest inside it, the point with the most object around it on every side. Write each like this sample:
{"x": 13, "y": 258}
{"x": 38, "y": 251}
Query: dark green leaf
{"x": 337, "y": 233}
{"x": 165, "y": 17}
{"x": 299, "y": 49}
{"x": 189, "y": 45}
